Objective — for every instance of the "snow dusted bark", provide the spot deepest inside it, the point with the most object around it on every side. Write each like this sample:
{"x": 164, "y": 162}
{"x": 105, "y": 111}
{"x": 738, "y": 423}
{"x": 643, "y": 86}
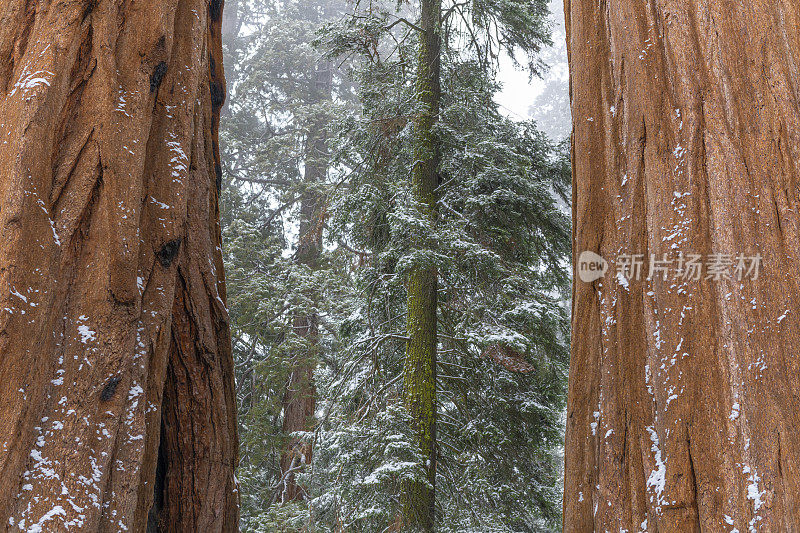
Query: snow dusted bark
{"x": 116, "y": 384}
{"x": 684, "y": 396}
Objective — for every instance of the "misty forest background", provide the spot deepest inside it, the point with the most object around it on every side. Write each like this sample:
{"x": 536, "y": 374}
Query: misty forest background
{"x": 321, "y": 230}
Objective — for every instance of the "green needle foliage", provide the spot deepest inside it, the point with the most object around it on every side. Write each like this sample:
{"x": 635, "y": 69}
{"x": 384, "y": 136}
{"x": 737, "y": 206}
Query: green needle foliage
{"x": 500, "y": 247}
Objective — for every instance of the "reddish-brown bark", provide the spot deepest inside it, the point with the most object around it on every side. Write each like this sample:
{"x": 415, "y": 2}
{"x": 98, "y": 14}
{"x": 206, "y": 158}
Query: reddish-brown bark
{"x": 683, "y": 399}
{"x": 299, "y": 401}
{"x": 114, "y": 344}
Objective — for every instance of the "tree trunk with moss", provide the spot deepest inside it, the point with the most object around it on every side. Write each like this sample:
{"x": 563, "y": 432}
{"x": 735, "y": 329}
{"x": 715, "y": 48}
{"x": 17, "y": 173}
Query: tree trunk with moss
{"x": 419, "y": 383}
{"x": 299, "y": 400}
{"x": 117, "y": 409}
{"x": 684, "y": 398}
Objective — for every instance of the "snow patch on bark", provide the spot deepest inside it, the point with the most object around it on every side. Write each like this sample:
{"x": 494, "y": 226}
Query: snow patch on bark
{"x": 658, "y": 477}
{"x": 86, "y": 333}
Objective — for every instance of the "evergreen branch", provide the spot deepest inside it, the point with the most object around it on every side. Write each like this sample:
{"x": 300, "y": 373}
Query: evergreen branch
{"x": 405, "y": 21}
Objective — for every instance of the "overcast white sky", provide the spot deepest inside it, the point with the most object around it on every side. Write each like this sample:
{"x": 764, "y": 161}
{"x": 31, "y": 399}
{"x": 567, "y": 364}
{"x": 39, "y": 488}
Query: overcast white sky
{"x": 545, "y": 99}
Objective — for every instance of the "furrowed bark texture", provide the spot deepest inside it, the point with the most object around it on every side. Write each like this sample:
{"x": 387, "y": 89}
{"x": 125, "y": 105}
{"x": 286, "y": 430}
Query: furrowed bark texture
{"x": 683, "y": 400}
{"x": 114, "y": 344}
{"x": 419, "y": 380}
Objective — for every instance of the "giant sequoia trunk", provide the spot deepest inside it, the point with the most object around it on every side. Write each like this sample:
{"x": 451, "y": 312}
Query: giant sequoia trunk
{"x": 299, "y": 400}
{"x": 684, "y": 398}
{"x": 419, "y": 372}
{"x": 300, "y": 397}
{"x": 116, "y": 390}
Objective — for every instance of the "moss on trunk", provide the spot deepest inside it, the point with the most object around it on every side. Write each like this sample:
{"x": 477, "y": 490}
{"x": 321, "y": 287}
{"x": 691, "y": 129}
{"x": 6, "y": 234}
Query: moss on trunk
{"x": 418, "y": 499}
